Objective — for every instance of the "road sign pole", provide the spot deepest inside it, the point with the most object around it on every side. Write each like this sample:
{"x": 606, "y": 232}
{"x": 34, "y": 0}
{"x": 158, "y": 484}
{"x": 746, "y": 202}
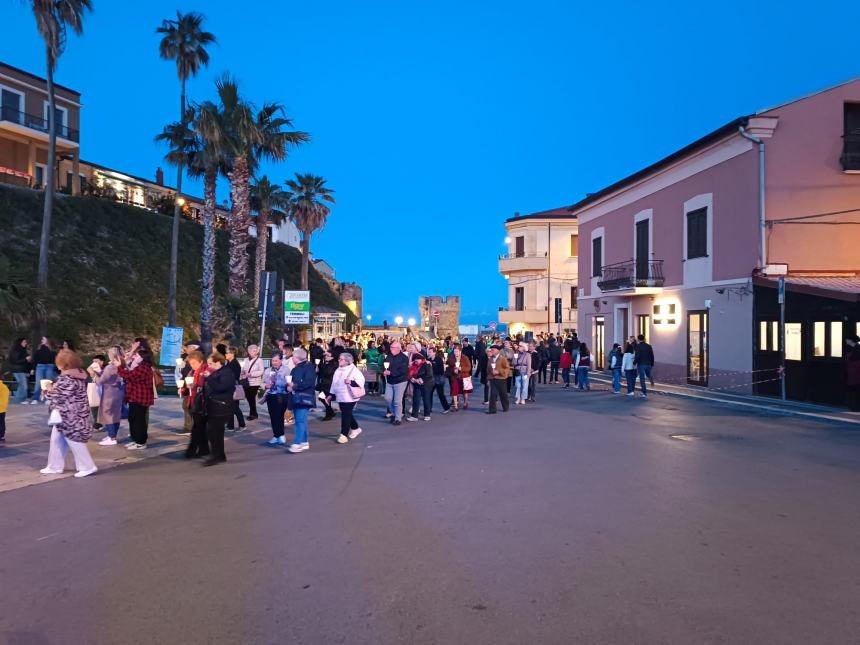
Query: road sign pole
{"x": 781, "y": 296}
{"x": 265, "y": 305}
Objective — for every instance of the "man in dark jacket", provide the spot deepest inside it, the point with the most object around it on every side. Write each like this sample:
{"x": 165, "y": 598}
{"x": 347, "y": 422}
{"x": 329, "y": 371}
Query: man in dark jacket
{"x": 643, "y": 359}
{"x": 533, "y": 375}
{"x": 554, "y": 358}
{"x": 397, "y": 378}
{"x": 302, "y": 397}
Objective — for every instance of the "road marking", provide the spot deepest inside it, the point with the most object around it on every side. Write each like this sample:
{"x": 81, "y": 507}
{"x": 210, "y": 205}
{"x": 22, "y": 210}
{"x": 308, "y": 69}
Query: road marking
{"x": 46, "y": 537}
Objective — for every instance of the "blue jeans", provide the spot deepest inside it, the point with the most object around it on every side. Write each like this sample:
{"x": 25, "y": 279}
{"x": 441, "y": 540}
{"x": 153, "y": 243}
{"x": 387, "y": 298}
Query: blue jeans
{"x": 112, "y": 429}
{"x": 582, "y": 377}
{"x": 301, "y": 415}
{"x": 644, "y": 372}
{"x": 616, "y": 379}
{"x": 565, "y": 375}
{"x": 521, "y": 390}
{"x": 43, "y": 370}
{"x": 21, "y": 390}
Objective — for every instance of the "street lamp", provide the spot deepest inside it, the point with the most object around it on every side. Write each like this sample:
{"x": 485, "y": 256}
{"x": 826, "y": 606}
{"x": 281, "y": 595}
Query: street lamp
{"x": 411, "y": 322}
{"x": 368, "y": 317}
{"x": 507, "y": 240}
{"x": 398, "y": 320}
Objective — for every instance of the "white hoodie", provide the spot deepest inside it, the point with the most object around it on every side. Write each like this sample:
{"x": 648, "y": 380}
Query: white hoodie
{"x": 340, "y": 390}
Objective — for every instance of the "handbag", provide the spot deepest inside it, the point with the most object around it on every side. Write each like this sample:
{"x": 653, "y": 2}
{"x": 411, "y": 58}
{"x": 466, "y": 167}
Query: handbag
{"x": 467, "y": 384}
{"x": 55, "y": 419}
{"x": 238, "y": 392}
{"x": 357, "y": 391}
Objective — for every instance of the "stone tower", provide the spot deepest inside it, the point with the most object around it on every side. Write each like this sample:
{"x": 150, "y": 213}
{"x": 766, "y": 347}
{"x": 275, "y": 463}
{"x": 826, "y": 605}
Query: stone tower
{"x": 448, "y": 322}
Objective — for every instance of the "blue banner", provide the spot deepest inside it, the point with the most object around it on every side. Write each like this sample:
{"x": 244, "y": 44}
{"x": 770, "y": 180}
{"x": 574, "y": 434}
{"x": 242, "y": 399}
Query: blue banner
{"x": 171, "y": 345}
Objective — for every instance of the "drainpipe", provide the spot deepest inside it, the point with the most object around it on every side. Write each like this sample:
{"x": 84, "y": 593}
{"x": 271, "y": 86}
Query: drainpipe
{"x": 761, "y": 220}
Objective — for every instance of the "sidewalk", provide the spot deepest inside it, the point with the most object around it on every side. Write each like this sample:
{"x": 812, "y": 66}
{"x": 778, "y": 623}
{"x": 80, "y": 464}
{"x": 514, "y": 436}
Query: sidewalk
{"x": 25, "y": 451}
{"x": 759, "y": 403}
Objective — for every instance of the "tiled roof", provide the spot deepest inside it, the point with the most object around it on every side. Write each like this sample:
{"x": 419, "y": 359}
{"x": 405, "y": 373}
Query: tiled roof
{"x": 554, "y": 213}
{"x": 836, "y": 287}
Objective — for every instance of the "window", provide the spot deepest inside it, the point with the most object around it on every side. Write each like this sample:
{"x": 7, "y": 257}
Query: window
{"x": 519, "y": 298}
{"x": 827, "y": 339}
{"x": 574, "y": 246}
{"x": 11, "y": 105}
{"x": 558, "y": 310}
{"x": 819, "y": 339}
{"x": 836, "y": 339}
{"x": 520, "y": 246}
{"x": 768, "y": 336}
{"x": 851, "y": 137}
{"x": 40, "y": 174}
{"x": 574, "y": 292}
{"x": 597, "y": 257}
{"x": 793, "y": 341}
{"x": 697, "y": 233}
{"x": 69, "y": 181}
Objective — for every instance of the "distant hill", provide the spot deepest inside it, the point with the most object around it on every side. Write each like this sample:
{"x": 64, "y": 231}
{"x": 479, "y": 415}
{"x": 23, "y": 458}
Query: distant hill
{"x": 109, "y": 269}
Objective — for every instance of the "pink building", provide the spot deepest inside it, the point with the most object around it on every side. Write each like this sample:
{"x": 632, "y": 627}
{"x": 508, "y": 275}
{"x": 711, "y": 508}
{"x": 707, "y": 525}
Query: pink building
{"x": 684, "y": 251}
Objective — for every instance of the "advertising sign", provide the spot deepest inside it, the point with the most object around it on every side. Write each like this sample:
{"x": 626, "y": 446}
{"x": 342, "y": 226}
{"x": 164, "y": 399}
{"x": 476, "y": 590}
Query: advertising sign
{"x": 171, "y": 345}
{"x": 297, "y": 307}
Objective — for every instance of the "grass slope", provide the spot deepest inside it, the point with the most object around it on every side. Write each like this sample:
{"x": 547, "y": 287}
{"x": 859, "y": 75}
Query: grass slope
{"x": 108, "y": 268}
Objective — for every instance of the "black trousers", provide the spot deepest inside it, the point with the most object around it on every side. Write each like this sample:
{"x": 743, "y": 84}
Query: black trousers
{"x": 532, "y": 386}
{"x": 422, "y": 392}
{"x": 251, "y": 395}
{"x": 198, "y": 446}
{"x": 215, "y": 435}
{"x": 508, "y": 384}
{"x": 329, "y": 411}
{"x": 237, "y": 412}
{"x": 553, "y": 371}
{"x": 439, "y": 388}
{"x": 138, "y": 422}
{"x": 347, "y": 420}
{"x": 854, "y": 398}
{"x": 498, "y": 391}
{"x": 542, "y": 371}
{"x": 277, "y": 404}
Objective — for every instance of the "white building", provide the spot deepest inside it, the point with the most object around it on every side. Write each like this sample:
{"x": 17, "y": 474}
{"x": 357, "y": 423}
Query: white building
{"x": 541, "y": 269}
{"x": 284, "y": 233}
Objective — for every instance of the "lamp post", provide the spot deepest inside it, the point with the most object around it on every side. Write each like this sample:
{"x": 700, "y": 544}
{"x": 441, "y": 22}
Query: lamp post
{"x": 398, "y": 320}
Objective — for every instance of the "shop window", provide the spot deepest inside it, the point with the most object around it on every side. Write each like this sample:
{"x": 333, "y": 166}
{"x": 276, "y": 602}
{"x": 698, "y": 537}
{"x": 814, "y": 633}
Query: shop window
{"x": 762, "y": 335}
{"x": 793, "y": 341}
{"x": 768, "y": 336}
{"x": 827, "y": 339}
{"x": 643, "y": 322}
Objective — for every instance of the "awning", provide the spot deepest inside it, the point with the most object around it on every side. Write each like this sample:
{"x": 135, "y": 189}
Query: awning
{"x": 836, "y": 287}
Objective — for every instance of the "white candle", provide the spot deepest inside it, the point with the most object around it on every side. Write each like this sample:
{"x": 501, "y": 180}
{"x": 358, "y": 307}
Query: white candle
{"x": 289, "y": 378}
{"x": 386, "y": 364}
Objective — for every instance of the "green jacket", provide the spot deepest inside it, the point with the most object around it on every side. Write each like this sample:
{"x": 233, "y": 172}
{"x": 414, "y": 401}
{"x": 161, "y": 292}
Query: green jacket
{"x": 373, "y": 358}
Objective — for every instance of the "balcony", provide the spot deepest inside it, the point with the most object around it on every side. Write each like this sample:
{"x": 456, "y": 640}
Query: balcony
{"x": 37, "y": 123}
{"x": 510, "y": 262}
{"x": 526, "y": 315}
{"x": 631, "y": 275}
{"x": 850, "y": 158}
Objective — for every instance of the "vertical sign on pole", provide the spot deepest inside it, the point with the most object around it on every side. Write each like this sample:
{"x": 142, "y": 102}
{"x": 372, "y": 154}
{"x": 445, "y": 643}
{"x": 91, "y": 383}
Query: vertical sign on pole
{"x": 781, "y": 298}
{"x": 297, "y": 309}
{"x": 265, "y": 310}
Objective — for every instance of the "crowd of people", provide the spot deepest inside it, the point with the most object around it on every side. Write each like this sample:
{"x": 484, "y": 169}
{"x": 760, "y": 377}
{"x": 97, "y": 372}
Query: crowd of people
{"x": 410, "y": 373}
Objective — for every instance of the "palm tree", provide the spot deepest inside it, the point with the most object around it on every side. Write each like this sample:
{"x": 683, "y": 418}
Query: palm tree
{"x": 250, "y": 136}
{"x": 185, "y": 42}
{"x": 197, "y": 143}
{"x": 308, "y": 209}
{"x": 53, "y": 19}
{"x": 268, "y": 200}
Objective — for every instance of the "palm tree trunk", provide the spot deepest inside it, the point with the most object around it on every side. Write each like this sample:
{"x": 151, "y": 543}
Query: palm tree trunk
{"x": 306, "y": 254}
{"x": 240, "y": 220}
{"x": 262, "y": 244}
{"x": 208, "y": 298}
{"x": 50, "y": 179}
{"x": 174, "y": 234}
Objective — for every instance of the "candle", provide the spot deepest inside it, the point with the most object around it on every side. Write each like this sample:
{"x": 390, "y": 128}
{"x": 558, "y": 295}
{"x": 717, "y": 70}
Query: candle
{"x": 289, "y": 378}
{"x": 317, "y": 361}
{"x": 386, "y": 364}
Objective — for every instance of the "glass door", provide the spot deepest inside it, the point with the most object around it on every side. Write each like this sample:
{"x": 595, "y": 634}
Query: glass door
{"x": 697, "y": 347}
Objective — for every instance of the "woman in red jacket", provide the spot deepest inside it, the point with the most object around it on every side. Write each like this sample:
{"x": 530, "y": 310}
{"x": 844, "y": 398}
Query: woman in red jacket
{"x": 565, "y": 364}
{"x": 139, "y": 392}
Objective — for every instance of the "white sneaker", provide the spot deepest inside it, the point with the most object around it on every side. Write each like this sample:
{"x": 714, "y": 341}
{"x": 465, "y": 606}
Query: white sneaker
{"x": 50, "y": 471}
{"x": 426, "y": 418}
{"x": 342, "y": 439}
{"x": 274, "y": 441}
{"x": 86, "y": 473}
{"x": 306, "y": 446}
{"x": 33, "y": 402}
{"x": 354, "y": 433}
{"x": 411, "y": 418}
{"x": 135, "y": 446}
{"x": 631, "y": 394}
{"x": 107, "y": 441}
{"x": 297, "y": 447}
{"x": 25, "y": 402}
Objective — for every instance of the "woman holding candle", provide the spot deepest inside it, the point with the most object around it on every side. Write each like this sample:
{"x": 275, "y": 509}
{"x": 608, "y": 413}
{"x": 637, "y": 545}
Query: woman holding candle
{"x": 251, "y": 378}
{"x": 458, "y": 367}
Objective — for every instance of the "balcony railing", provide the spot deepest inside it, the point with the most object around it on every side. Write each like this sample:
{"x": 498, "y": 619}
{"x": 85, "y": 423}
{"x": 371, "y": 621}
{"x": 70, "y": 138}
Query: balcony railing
{"x": 523, "y": 308}
{"x": 631, "y": 274}
{"x": 850, "y": 158}
{"x": 512, "y": 256}
{"x": 37, "y": 123}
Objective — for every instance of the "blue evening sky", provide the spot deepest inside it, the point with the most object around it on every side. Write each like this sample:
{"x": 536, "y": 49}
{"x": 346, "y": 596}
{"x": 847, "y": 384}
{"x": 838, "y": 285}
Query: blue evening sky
{"x": 435, "y": 121}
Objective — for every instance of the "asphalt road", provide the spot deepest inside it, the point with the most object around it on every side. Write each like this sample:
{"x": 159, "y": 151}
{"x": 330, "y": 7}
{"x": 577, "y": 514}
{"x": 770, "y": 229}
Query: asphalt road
{"x": 579, "y": 520}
